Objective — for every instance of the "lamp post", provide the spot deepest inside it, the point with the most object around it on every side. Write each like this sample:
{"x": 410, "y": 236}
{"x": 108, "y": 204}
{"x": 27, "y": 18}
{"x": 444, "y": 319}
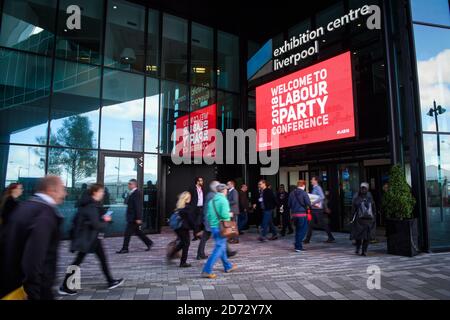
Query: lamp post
{"x": 435, "y": 112}
{"x": 118, "y": 167}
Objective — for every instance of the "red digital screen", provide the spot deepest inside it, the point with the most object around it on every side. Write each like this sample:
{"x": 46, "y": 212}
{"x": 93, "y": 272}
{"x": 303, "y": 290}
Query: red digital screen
{"x": 194, "y": 134}
{"x": 309, "y": 106}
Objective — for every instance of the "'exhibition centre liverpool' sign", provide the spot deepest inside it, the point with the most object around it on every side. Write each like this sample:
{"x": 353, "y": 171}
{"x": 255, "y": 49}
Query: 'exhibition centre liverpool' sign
{"x": 309, "y": 106}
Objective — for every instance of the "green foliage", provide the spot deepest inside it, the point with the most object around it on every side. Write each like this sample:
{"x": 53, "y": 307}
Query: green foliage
{"x": 398, "y": 202}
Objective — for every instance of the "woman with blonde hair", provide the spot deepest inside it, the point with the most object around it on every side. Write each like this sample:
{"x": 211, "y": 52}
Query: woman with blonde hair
{"x": 187, "y": 223}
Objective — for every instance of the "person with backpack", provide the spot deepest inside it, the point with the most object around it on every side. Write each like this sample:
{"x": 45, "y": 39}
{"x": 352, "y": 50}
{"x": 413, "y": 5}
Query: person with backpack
{"x": 89, "y": 223}
{"x": 299, "y": 204}
{"x": 182, "y": 221}
{"x": 363, "y": 221}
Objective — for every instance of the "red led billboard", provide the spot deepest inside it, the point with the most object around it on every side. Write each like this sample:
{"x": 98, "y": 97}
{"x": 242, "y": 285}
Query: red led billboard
{"x": 309, "y": 106}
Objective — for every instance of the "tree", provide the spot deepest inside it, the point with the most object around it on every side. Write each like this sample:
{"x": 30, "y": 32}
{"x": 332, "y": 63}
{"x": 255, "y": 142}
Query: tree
{"x": 75, "y": 132}
{"x": 398, "y": 202}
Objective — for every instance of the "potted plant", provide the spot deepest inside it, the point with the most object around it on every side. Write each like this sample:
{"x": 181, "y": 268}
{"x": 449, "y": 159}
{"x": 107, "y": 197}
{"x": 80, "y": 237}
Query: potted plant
{"x": 398, "y": 205}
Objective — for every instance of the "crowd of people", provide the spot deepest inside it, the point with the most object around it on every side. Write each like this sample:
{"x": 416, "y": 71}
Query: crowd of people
{"x": 30, "y": 230}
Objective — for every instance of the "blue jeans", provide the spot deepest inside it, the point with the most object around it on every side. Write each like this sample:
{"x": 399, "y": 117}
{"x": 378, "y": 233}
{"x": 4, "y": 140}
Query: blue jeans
{"x": 242, "y": 220}
{"x": 267, "y": 223}
{"x": 220, "y": 251}
{"x": 301, "y": 227}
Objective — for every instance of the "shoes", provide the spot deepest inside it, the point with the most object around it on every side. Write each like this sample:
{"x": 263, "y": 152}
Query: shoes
{"x": 283, "y": 234}
{"x": 273, "y": 238}
{"x": 185, "y": 265}
{"x": 330, "y": 241}
{"x": 123, "y": 251}
{"x": 233, "y": 268}
{"x": 64, "y": 291}
{"x": 202, "y": 257}
{"x": 363, "y": 254}
{"x": 298, "y": 251}
{"x": 357, "y": 252}
{"x": 149, "y": 247}
{"x": 261, "y": 239}
{"x": 306, "y": 242}
{"x": 231, "y": 254}
{"x": 241, "y": 233}
{"x": 115, "y": 283}
{"x": 290, "y": 232}
{"x": 211, "y": 276}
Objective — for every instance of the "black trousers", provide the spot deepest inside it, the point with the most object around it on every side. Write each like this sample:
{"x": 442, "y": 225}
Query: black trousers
{"x": 287, "y": 225}
{"x": 134, "y": 229}
{"x": 364, "y": 244}
{"x": 100, "y": 253}
{"x": 198, "y": 219}
{"x": 184, "y": 242}
{"x": 202, "y": 245}
{"x": 319, "y": 218}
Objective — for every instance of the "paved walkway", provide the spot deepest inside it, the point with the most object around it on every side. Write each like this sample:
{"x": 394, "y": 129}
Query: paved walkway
{"x": 266, "y": 271}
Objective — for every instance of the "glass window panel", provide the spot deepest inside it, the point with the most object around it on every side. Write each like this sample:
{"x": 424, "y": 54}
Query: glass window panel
{"x": 174, "y": 48}
{"x": 435, "y": 11}
{"x": 77, "y": 169}
{"x": 75, "y": 105}
{"x": 201, "y": 97}
{"x": 229, "y": 111}
{"x": 151, "y": 219}
{"x": 228, "y": 61}
{"x": 28, "y": 25}
{"x": 152, "y": 115}
{"x": 125, "y": 33}
{"x": 123, "y": 111}
{"x": 153, "y": 43}
{"x": 24, "y": 164}
{"x": 437, "y": 163}
{"x": 81, "y": 44}
{"x": 24, "y": 97}
{"x": 433, "y": 66}
{"x": 328, "y": 15}
{"x": 174, "y": 104}
{"x": 202, "y": 55}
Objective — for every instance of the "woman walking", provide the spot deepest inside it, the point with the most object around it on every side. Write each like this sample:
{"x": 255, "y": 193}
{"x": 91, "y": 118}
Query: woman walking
{"x": 187, "y": 223}
{"x": 218, "y": 210}
{"x": 89, "y": 223}
{"x": 9, "y": 202}
{"x": 363, "y": 219}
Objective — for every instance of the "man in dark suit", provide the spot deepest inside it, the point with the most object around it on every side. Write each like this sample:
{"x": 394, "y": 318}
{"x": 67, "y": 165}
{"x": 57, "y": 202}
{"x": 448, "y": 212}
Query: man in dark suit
{"x": 233, "y": 199}
{"x": 29, "y": 245}
{"x": 134, "y": 217}
{"x": 197, "y": 202}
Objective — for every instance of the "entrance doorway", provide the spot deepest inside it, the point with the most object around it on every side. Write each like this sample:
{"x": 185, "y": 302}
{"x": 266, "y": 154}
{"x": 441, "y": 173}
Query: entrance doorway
{"x": 115, "y": 170}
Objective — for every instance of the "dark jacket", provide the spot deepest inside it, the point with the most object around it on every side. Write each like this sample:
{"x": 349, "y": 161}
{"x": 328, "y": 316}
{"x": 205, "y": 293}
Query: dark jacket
{"x": 187, "y": 216}
{"x": 30, "y": 248}
{"x": 87, "y": 226}
{"x": 299, "y": 201}
{"x": 362, "y": 229}
{"x": 283, "y": 200}
{"x": 233, "y": 199}
{"x": 9, "y": 206}
{"x": 244, "y": 202}
{"x": 269, "y": 199}
{"x": 134, "y": 206}
{"x": 194, "y": 196}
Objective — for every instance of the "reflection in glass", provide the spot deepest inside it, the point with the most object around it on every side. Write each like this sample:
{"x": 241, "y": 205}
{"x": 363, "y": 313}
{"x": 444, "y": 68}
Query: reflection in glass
{"x": 228, "y": 61}
{"x": 436, "y": 11}
{"x": 152, "y": 66}
{"x": 152, "y": 115}
{"x": 174, "y": 48}
{"x": 151, "y": 221}
{"x": 433, "y": 56}
{"x": 24, "y": 164}
{"x": 123, "y": 111}
{"x": 77, "y": 169}
{"x": 174, "y": 104}
{"x": 125, "y": 33}
{"x": 28, "y": 25}
{"x": 201, "y": 97}
{"x": 81, "y": 44}
{"x": 24, "y": 97}
{"x": 75, "y": 105}
{"x": 202, "y": 55}
{"x": 229, "y": 116}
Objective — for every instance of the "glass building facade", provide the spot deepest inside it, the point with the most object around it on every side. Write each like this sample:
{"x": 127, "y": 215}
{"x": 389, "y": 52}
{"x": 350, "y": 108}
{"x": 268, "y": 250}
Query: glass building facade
{"x": 100, "y": 103}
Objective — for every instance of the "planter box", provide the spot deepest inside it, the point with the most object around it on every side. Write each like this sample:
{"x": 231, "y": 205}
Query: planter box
{"x": 402, "y": 237}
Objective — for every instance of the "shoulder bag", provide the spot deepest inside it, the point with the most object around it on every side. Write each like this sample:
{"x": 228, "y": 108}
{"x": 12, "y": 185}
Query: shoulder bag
{"x": 228, "y": 229}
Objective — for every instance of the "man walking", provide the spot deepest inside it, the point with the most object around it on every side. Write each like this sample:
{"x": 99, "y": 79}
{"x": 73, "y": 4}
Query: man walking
{"x": 268, "y": 203}
{"x": 318, "y": 212}
{"x": 197, "y": 203}
{"x": 30, "y": 247}
{"x": 244, "y": 207}
{"x": 134, "y": 218}
{"x": 283, "y": 211}
{"x": 233, "y": 199}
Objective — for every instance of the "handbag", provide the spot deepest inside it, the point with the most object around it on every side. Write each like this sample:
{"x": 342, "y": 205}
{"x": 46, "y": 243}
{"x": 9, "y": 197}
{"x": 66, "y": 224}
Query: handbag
{"x": 228, "y": 229}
